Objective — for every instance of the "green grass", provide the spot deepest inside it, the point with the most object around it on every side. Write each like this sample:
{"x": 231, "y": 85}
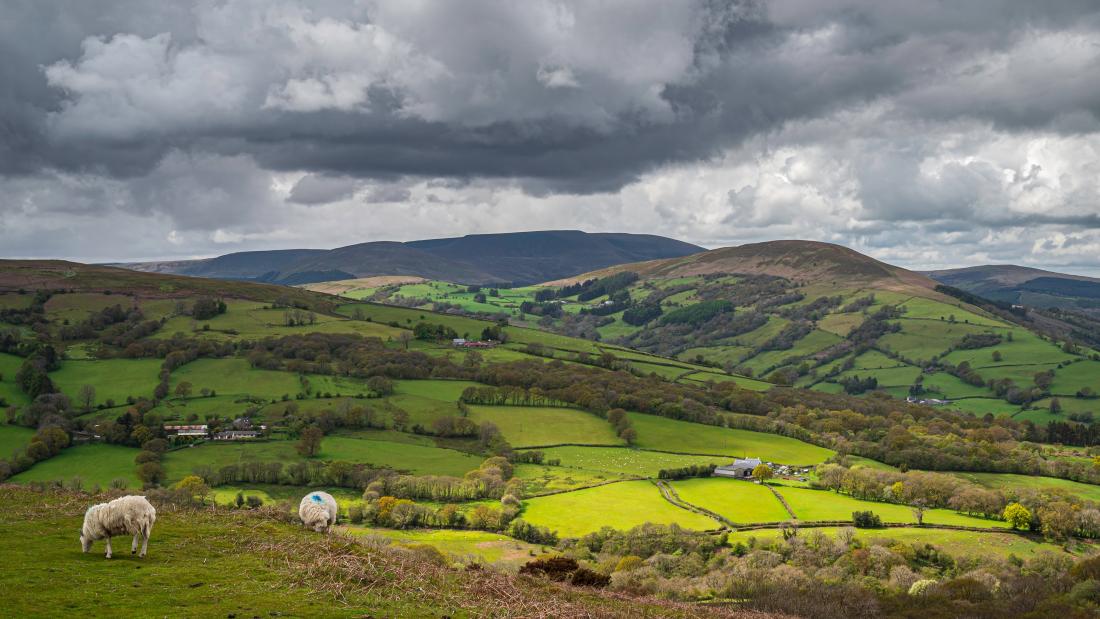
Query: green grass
{"x": 273, "y": 493}
{"x": 681, "y": 436}
{"x": 1075, "y": 376}
{"x": 531, "y": 426}
{"x": 490, "y": 548}
{"x": 981, "y": 406}
{"x": 956, "y": 543}
{"x": 9, "y": 390}
{"x": 738, "y": 501}
{"x": 13, "y": 438}
{"x": 183, "y": 462}
{"x": 236, "y": 377}
{"x": 950, "y": 386}
{"x": 743, "y": 382}
{"x": 924, "y": 339}
{"x": 1008, "y": 481}
{"x": 416, "y": 459}
{"x": 624, "y": 461}
{"x": 929, "y": 309}
{"x": 620, "y": 506}
{"x": 890, "y": 377}
{"x": 542, "y": 479}
{"x": 813, "y": 505}
{"x": 1025, "y": 347}
{"x": 113, "y": 379}
{"x": 203, "y": 563}
{"x": 99, "y": 463}
{"x": 76, "y": 307}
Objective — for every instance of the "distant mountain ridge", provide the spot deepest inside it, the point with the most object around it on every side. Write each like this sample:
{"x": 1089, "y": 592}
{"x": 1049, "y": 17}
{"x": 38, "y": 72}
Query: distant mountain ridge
{"x": 516, "y": 258}
{"x": 1025, "y": 286}
{"x": 800, "y": 261}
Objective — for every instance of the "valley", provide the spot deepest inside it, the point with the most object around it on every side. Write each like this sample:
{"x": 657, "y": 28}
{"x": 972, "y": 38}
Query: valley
{"x": 580, "y": 417}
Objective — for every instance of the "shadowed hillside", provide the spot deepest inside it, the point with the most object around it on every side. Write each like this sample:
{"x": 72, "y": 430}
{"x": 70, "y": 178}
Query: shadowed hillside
{"x": 1026, "y": 286}
{"x": 517, "y": 258}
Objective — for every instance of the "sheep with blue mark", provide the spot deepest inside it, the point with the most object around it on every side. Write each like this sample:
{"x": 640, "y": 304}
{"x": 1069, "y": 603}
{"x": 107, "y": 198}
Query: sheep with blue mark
{"x": 318, "y": 511}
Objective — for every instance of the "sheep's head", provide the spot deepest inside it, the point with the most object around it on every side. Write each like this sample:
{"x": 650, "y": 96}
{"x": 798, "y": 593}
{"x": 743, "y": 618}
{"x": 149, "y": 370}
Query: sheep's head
{"x": 320, "y": 526}
{"x": 85, "y": 542}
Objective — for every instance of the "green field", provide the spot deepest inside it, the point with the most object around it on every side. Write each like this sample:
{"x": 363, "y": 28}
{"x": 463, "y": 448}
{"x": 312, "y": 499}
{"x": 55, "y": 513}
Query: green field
{"x": 619, "y": 505}
{"x": 957, "y": 543}
{"x": 813, "y": 505}
{"x": 1010, "y": 482}
{"x": 113, "y": 379}
{"x": 236, "y": 377}
{"x": 465, "y": 546}
{"x": 529, "y": 426}
{"x": 416, "y": 459}
{"x": 681, "y": 436}
{"x": 13, "y": 438}
{"x": 624, "y": 461}
{"x": 9, "y": 390}
{"x": 97, "y": 464}
{"x": 542, "y": 479}
{"x": 738, "y": 501}
{"x": 204, "y": 563}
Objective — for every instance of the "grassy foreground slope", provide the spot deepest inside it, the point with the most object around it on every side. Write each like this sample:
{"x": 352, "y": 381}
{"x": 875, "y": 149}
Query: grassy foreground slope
{"x": 207, "y": 563}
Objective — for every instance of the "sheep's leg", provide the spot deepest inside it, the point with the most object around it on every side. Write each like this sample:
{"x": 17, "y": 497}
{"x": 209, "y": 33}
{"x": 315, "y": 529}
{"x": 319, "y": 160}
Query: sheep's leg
{"x": 145, "y": 544}
{"x": 108, "y": 547}
{"x": 133, "y": 547}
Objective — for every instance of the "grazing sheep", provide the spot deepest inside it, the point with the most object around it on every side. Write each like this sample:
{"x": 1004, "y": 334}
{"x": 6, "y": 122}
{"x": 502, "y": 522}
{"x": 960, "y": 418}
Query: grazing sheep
{"x": 318, "y": 511}
{"x": 128, "y": 515}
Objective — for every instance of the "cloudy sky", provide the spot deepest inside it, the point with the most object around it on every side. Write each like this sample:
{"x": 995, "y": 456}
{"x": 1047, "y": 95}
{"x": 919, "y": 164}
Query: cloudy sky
{"x": 927, "y": 134}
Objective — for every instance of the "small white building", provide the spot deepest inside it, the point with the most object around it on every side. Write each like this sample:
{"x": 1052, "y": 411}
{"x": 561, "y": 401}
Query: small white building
{"x": 740, "y": 469}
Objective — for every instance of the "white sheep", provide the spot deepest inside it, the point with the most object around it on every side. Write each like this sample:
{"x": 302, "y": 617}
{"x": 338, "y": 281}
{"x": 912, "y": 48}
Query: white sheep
{"x": 128, "y": 515}
{"x": 318, "y": 511}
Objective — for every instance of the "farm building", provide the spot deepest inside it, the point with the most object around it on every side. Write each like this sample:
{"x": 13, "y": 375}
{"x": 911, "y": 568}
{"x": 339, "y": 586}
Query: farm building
{"x": 189, "y": 430}
{"x": 740, "y": 469}
{"x": 236, "y": 435}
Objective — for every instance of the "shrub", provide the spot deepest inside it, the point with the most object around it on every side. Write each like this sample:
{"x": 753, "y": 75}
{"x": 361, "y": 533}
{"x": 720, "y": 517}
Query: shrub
{"x": 866, "y": 520}
{"x": 585, "y": 577}
{"x": 554, "y": 568}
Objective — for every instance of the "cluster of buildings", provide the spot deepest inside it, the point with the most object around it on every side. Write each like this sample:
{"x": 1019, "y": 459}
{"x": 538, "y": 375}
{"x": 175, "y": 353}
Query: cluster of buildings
{"x": 241, "y": 429}
{"x": 742, "y": 468}
{"x": 460, "y": 342}
{"x": 926, "y": 401}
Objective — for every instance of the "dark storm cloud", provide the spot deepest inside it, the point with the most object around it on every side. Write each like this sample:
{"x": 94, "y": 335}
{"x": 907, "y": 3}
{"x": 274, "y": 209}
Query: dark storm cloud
{"x": 904, "y": 112}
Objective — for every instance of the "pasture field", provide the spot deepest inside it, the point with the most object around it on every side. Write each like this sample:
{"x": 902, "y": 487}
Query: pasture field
{"x": 620, "y": 505}
{"x": 695, "y": 438}
{"x": 813, "y": 505}
{"x": 875, "y": 360}
{"x": 1075, "y": 376}
{"x": 951, "y": 386}
{"x": 855, "y": 461}
{"x": 183, "y": 462}
{"x": 744, "y": 382}
{"x": 624, "y": 461}
{"x": 235, "y": 561}
{"x": 113, "y": 379}
{"x": 717, "y": 354}
{"x": 273, "y": 493}
{"x": 929, "y": 309}
{"x": 9, "y": 390}
{"x": 981, "y": 406}
{"x": 840, "y": 324}
{"x": 957, "y": 543}
{"x": 758, "y": 336}
{"x": 250, "y": 320}
{"x": 738, "y": 501}
{"x": 1025, "y": 347}
{"x": 542, "y": 479}
{"x": 465, "y": 546}
{"x": 235, "y": 376}
{"x": 416, "y": 459}
{"x": 181, "y": 409}
{"x": 920, "y": 340}
{"x": 13, "y": 438}
{"x": 76, "y": 307}
{"x": 902, "y": 376}
{"x": 14, "y": 300}
{"x": 664, "y": 371}
{"x": 96, "y": 464}
{"x": 529, "y": 426}
{"x": 1008, "y": 481}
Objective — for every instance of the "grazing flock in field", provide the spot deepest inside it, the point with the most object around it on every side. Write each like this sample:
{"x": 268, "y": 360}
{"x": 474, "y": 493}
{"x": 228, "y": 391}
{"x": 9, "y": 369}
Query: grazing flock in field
{"x": 134, "y": 515}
